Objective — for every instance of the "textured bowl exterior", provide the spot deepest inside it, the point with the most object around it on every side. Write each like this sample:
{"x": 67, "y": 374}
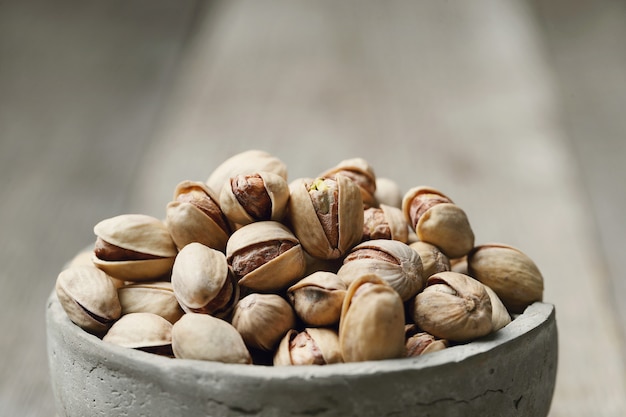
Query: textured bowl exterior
{"x": 509, "y": 373}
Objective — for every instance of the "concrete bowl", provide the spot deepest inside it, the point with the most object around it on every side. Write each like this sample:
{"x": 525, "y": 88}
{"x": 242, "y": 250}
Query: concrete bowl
{"x": 509, "y": 373}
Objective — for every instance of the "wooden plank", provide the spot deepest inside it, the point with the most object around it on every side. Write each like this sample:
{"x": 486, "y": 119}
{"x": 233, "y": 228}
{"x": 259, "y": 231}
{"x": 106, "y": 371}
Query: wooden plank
{"x": 458, "y": 96}
{"x": 80, "y": 82}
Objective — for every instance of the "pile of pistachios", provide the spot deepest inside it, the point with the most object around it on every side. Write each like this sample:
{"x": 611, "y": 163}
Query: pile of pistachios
{"x": 341, "y": 267}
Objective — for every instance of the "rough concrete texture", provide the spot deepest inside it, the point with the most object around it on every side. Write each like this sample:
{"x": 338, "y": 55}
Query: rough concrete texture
{"x": 510, "y": 373}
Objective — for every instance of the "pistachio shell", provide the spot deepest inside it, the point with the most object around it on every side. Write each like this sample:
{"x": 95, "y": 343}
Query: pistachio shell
{"x": 150, "y": 297}
{"x": 188, "y": 223}
{"x": 272, "y": 274}
{"x": 359, "y": 171}
{"x": 263, "y": 319}
{"x": 416, "y": 192}
{"x": 500, "y": 316}
{"x": 202, "y": 281}
{"x": 306, "y": 224}
{"x": 317, "y": 298}
{"x": 398, "y": 225}
{"x": 204, "y": 337}
{"x": 394, "y": 261}
{"x": 246, "y": 163}
{"x": 282, "y": 356}
{"x": 277, "y": 190}
{"x": 141, "y": 331}
{"x": 446, "y": 226}
{"x": 89, "y": 298}
{"x": 433, "y": 260}
{"x": 372, "y": 321}
{"x": 141, "y": 234}
{"x": 454, "y": 306}
{"x": 509, "y": 272}
{"x": 312, "y": 346}
{"x": 388, "y": 192}
{"x": 421, "y": 343}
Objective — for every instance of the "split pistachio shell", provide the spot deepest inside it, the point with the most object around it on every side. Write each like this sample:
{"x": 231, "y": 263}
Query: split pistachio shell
{"x": 143, "y": 331}
{"x": 202, "y": 281}
{"x": 454, "y": 306}
{"x": 89, "y": 298}
{"x": 385, "y": 222}
{"x": 359, "y": 171}
{"x": 263, "y": 319}
{"x": 317, "y": 298}
{"x": 312, "y": 346}
{"x": 388, "y": 192}
{"x": 150, "y": 297}
{"x": 394, "y": 261}
{"x": 340, "y": 196}
{"x": 204, "y": 337}
{"x": 258, "y": 250}
{"x": 275, "y": 188}
{"x": 437, "y": 220}
{"x": 420, "y": 343}
{"x": 146, "y": 237}
{"x": 372, "y": 321}
{"x": 500, "y": 316}
{"x": 195, "y": 215}
{"x": 509, "y": 272}
{"x": 247, "y": 162}
{"x": 433, "y": 260}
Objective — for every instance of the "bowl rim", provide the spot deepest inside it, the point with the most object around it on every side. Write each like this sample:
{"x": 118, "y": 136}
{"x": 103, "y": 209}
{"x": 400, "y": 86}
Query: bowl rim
{"x": 535, "y": 317}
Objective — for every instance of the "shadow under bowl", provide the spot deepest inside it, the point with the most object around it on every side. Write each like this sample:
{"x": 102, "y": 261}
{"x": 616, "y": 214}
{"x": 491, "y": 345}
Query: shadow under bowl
{"x": 511, "y": 372}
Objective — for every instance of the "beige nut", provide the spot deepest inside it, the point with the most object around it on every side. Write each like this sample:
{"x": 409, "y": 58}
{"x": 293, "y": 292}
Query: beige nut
{"x": 150, "y": 297}
{"x": 248, "y": 198}
{"x": 385, "y": 222}
{"x": 437, "y": 220}
{"x": 372, "y": 321}
{"x": 420, "y": 343}
{"x": 134, "y": 247}
{"x": 388, "y": 192}
{"x": 311, "y": 346}
{"x": 265, "y": 256}
{"x": 453, "y": 306}
{"x": 359, "y": 171}
{"x": 142, "y": 331}
{"x": 246, "y": 162}
{"x": 202, "y": 281}
{"x": 500, "y": 316}
{"x": 317, "y": 298}
{"x": 433, "y": 260}
{"x": 263, "y": 319}
{"x": 204, "y": 337}
{"x": 89, "y": 298}
{"x": 509, "y": 272}
{"x": 394, "y": 261}
{"x": 326, "y": 215}
{"x": 195, "y": 215}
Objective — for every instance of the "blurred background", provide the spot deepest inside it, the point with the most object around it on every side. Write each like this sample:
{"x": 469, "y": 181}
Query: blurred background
{"x": 514, "y": 109}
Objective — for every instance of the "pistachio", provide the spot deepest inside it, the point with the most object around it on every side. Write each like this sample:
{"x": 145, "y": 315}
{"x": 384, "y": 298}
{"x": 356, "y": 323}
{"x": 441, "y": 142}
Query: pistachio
{"x": 453, "y": 306}
{"x": 509, "y": 272}
{"x": 433, "y": 260}
{"x": 150, "y": 297}
{"x": 326, "y": 215}
{"x": 265, "y": 256}
{"x": 317, "y": 298}
{"x": 247, "y": 198}
{"x": 247, "y": 162}
{"x": 388, "y": 192}
{"x": 384, "y": 222}
{"x": 372, "y": 321}
{"x": 437, "y": 220}
{"x": 134, "y": 247}
{"x": 420, "y": 343}
{"x": 204, "y": 337}
{"x": 359, "y": 171}
{"x": 202, "y": 281}
{"x": 500, "y": 316}
{"x": 312, "y": 346}
{"x": 89, "y": 298}
{"x": 263, "y": 319}
{"x": 393, "y": 261}
{"x": 195, "y": 215}
{"x": 142, "y": 331}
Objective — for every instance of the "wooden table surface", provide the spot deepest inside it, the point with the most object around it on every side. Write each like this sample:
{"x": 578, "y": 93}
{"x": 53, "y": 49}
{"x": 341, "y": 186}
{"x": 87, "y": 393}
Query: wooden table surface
{"x": 515, "y": 109}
